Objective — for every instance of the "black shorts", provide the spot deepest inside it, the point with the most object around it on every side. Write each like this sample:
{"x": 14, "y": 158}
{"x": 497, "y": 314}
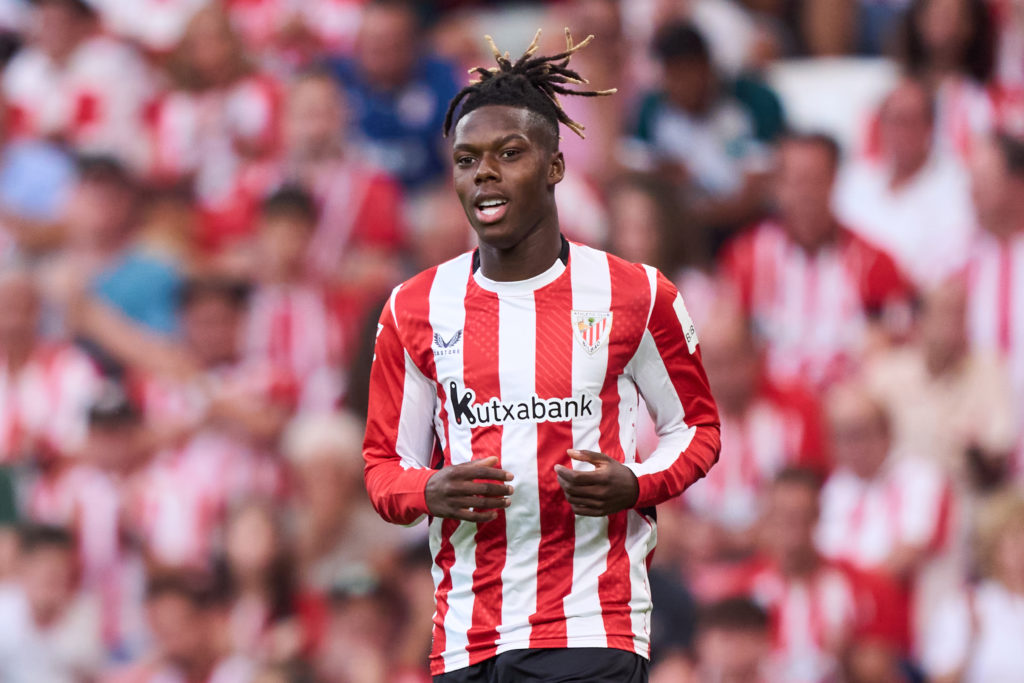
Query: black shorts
{"x": 564, "y": 665}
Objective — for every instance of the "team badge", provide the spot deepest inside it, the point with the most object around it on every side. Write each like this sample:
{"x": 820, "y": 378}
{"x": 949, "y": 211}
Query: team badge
{"x": 591, "y": 329}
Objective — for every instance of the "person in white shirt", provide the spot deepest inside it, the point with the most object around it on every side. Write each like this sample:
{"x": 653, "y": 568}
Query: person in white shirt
{"x": 913, "y": 200}
{"x": 977, "y": 635}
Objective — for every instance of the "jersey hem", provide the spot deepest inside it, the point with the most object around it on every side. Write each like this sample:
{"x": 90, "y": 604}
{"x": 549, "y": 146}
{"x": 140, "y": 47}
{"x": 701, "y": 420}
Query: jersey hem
{"x": 462, "y": 660}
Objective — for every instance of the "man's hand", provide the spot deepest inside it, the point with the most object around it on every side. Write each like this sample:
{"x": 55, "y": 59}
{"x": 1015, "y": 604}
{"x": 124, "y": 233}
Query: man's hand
{"x": 611, "y": 487}
{"x": 469, "y": 491}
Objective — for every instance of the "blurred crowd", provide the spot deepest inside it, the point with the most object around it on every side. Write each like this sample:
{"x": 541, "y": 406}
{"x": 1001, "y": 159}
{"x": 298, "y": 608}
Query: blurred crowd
{"x": 203, "y": 206}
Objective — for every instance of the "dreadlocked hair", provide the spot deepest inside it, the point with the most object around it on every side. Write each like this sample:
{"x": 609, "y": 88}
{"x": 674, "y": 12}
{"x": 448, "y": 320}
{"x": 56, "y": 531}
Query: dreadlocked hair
{"x": 530, "y": 82}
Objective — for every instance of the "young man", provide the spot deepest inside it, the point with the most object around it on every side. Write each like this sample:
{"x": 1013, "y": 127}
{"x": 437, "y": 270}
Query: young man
{"x": 503, "y": 405}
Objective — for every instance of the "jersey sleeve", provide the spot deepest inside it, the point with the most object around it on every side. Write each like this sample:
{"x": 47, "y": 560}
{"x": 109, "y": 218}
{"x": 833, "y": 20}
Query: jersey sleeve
{"x": 668, "y": 372}
{"x": 399, "y": 429}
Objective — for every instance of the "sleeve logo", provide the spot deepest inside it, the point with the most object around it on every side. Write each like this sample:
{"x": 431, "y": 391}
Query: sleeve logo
{"x": 591, "y": 329}
{"x": 447, "y": 347}
{"x": 689, "y": 331}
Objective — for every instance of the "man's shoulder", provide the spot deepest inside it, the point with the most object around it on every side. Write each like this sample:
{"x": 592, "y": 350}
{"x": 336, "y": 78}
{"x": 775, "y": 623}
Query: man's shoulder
{"x": 413, "y": 296}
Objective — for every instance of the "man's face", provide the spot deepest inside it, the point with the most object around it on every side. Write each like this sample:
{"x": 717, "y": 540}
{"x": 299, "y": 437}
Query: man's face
{"x": 48, "y": 579}
{"x": 991, "y": 186}
{"x": 211, "y": 328}
{"x": 282, "y": 244}
{"x": 860, "y": 435}
{"x": 803, "y": 190}
{"x": 905, "y": 127}
{"x": 57, "y": 27}
{"x": 689, "y": 83}
{"x": 730, "y": 360}
{"x": 790, "y": 520}
{"x": 178, "y": 627}
{"x": 505, "y": 168}
{"x": 314, "y": 118}
{"x": 386, "y": 46}
{"x": 98, "y": 212}
{"x": 732, "y": 654}
{"x": 943, "y": 323}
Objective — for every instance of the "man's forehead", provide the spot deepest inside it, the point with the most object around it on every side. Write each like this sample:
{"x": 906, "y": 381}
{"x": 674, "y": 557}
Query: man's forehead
{"x": 495, "y": 122}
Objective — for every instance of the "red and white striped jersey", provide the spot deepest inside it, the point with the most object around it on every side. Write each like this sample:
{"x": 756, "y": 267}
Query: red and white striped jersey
{"x": 333, "y": 22}
{"x": 295, "y": 329}
{"x": 157, "y": 25}
{"x": 995, "y": 305}
{"x": 45, "y": 404}
{"x": 467, "y": 368}
{"x": 780, "y": 427}
{"x": 909, "y": 503}
{"x": 813, "y": 619}
{"x": 811, "y": 309}
{"x": 97, "y": 100}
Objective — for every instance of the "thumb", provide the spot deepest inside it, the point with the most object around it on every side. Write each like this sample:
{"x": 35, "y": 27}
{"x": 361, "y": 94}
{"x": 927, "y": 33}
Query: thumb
{"x": 595, "y": 459}
{"x": 489, "y": 461}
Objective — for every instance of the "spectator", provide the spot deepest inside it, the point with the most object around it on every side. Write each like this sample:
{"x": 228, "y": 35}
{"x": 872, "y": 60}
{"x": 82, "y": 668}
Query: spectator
{"x": 71, "y": 83}
{"x": 101, "y": 259}
{"x": 949, "y": 44}
{"x": 977, "y": 635}
{"x": 893, "y": 519}
{"x": 813, "y": 289}
{"x": 49, "y": 630}
{"x": 914, "y": 200}
{"x": 266, "y": 612}
{"x": 290, "y": 35}
{"x": 938, "y": 380}
{"x": 820, "y": 610}
{"x": 188, "y": 620}
{"x": 359, "y": 231}
{"x": 292, "y": 325}
{"x": 994, "y": 320}
{"x": 221, "y": 113}
{"x": 46, "y": 386}
{"x": 398, "y": 94}
{"x": 766, "y": 428}
{"x": 699, "y": 136}
{"x": 340, "y": 533}
{"x": 733, "y": 642}
{"x": 154, "y": 25}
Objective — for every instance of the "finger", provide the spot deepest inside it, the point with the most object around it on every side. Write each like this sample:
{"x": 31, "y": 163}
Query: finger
{"x": 480, "y": 488}
{"x": 587, "y": 511}
{"x": 584, "y": 501}
{"x": 467, "y": 515}
{"x": 573, "y": 478}
{"x": 474, "y": 471}
{"x": 594, "y": 458}
{"x": 482, "y": 503}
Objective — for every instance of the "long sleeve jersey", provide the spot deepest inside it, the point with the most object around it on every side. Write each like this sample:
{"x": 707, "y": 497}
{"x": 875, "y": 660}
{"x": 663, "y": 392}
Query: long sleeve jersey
{"x": 466, "y": 368}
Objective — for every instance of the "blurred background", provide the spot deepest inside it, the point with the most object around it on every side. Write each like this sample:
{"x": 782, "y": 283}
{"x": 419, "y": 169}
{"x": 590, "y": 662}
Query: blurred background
{"x": 204, "y": 205}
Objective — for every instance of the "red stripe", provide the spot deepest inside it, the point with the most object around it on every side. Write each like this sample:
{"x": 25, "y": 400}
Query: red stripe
{"x": 480, "y": 372}
{"x": 614, "y": 586}
{"x": 557, "y": 521}
{"x": 1005, "y": 283}
{"x": 444, "y": 559}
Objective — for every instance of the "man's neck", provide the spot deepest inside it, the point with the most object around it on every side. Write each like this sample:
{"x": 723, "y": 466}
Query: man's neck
{"x": 530, "y": 257}
{"x": 904, "y": 174}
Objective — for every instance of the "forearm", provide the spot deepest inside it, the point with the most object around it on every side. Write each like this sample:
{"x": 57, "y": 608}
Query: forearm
{"x": 681, "y": 459}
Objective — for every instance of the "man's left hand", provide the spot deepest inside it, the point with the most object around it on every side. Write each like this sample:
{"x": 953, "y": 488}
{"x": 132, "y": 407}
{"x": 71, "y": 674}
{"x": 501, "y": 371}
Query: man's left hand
{"x": 609, "y": 488}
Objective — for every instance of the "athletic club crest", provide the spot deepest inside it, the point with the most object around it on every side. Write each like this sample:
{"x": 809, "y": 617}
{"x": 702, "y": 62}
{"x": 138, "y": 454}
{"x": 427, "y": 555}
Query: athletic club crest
{"x": 591, "y": 329}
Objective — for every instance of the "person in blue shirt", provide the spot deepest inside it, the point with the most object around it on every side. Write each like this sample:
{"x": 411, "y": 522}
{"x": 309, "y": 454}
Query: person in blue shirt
{"x": 398, "y": 94}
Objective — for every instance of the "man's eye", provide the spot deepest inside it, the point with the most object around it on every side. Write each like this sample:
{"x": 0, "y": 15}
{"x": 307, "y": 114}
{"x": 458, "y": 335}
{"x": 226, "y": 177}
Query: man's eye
{"x": 464, "y": 161}
{"x": 510, "y": 153}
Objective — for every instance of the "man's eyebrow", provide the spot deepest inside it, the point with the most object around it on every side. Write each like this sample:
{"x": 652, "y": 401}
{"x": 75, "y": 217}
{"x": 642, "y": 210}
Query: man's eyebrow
{"x": 501, "y": 141}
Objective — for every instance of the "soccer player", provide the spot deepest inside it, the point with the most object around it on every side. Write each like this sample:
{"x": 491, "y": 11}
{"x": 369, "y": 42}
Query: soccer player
{"x": 503, "y": 405}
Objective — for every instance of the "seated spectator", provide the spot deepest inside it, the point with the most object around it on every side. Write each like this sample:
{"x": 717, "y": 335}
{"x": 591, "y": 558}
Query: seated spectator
{"x": 49, "y": 630}
{"x": 976, "y": 635}
{"x": 338, "y": 531}
{"x": 101, "y": 259}
{"x": 220, "y": 114}
{"x": 767, "y": 428}
{"x": 820, "y": 610}
{"x": 46, "y": 386}
{"x": 73, "y": 84}
{"x": 292, "y": 325}
{"x": 913, "y": 200}
{"x": 269, "y": 617}
{"x": 733, "y": 642}
{"x": 438, "y": 228}
{"x": 290, "y": 35}
{"x": 950, "y": 45}
{"x": 188, "y": 619}
{"x": 698, "y": 136}
{"x": 938, "y": 380}
{"x": 359, "y": 231}
{"x": 891, "y": 518}
{"x": 399, "y": 94}
{"x": 813, "y": 288}
{"x": 995, "y": 318}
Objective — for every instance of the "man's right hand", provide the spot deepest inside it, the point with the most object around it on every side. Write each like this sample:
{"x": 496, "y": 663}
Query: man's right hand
{"x": 472, "y": 491}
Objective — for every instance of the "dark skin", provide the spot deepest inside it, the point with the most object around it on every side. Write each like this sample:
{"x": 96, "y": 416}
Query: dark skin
{"x": 511, "y": 154}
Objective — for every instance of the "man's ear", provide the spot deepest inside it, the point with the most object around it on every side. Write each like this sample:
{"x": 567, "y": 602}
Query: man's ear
{"x": 556, "y": 169}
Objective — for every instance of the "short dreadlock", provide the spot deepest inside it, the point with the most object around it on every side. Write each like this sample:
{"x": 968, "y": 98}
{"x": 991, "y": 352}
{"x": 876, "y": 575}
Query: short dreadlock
{"x": 531, "y": 82}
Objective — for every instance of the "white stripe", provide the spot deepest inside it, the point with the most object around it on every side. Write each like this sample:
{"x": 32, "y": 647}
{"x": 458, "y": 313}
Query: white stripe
{"x": 447, "y": 315}
{"x": 517, "y": 346}
{"x": 591, "y": 291}
{"x": 641, "y": 537}
{"x": 415, "y": 434}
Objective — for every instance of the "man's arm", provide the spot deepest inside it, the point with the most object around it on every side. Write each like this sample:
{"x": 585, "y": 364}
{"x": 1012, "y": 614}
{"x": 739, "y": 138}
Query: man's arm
{"x": 668, "y": 371}
{"x": 399, "y": 428}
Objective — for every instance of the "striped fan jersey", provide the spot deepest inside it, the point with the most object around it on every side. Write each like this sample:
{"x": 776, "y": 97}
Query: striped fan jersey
{"x": 466, "y": 368}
